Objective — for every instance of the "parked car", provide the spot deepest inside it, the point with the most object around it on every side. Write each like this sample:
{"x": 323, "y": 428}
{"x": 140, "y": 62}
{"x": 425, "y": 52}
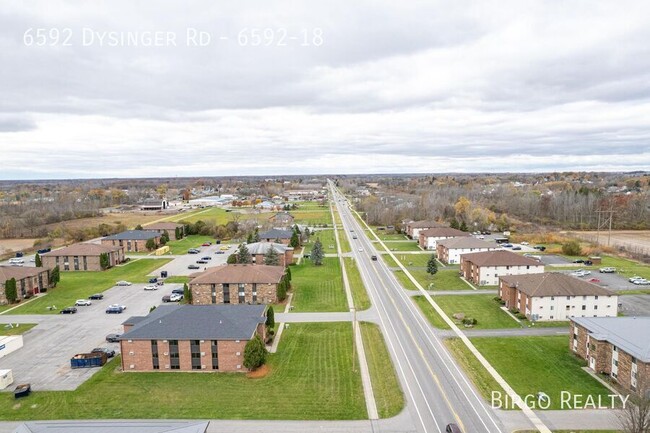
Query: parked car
{"x": 641, "y": 282}
{"x": 178, "y": 291}
{"x": 578, "y": 261}
{"x": 225, "y": 247}
{"x": 206, "y": 244}
{"x": 193, "y": 251}
{"x": 201, "y": 261}
{"x": 151, "y": 287}
{"x": 516, "y": 248}
{"x": 96, "y": 296}
{"x": 44, "y": 250}
{"x": 123, "y": 307}
{"x": 540, "y": 247}
{"x": 194, "y": 266}
{"x": 607, "y": 270}
{"x": 109, "y": 352}
{"x": 594, "y": 280}
{"x": 123, "y": 283}
{"x": 19, "y": 254}
{"x": 166, "y": 298}
{"x": 82, "y": 303}
{"x": 175, "y": 297}
{"x": 580, "y": 273}
{"x": 524, "y": 243}
{"x": 220, "y": 252}
{"x": 114, "y": 310}
{"x": 153, "y": 280}
{"x": 588, "y": 263}
{"x": 206, "y": 258}
{"x": 68, "y": 310}
{"x": 634, "y": 278}
{"x": 113, "y": 338}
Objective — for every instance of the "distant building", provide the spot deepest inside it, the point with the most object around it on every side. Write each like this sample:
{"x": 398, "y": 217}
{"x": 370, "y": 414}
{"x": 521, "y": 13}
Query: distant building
{"x": 282, "y": 219}
{"x": 29, "y": 281}
{"x": 616, "y": 346}
{"x": 191, "y": 337}
{"x": 555, "y": 296}
{"x": 154, "y": 204}
{"x": 170, "y": 227}
{"x": 132, "y": 240}
{"x": 428, "y": 238}
{"x": 275, "y": 235}
{"x": 82, "y": 257}
{"x": 413, "y": 228}
{"x": 237, "y": 284}
{"x": 485, "y": 268}
{"x": 259, "y": 249}
{"x": 450, "y": 250}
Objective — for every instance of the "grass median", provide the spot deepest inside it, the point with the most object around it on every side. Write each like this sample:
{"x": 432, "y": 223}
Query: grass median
{"x": 311, "y": 377}
{"x": 483, "y": 308}
{"x": 359, "y": 293}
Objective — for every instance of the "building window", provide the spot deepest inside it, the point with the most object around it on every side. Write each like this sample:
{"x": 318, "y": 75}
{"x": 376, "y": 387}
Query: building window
{"x": 242, "y": 293}
{"x": 254, "y": 293}
{"x": 214, "y": 348}
{"x": 195, "y": 350}
{"x": 75, "y": 259}
{"x": 584, "y": 307}
{"x": 214, "y": 293}
{"x": 173, "y": 355}
{"x": 154, "y": 355}
{"x": 226, "y": 293}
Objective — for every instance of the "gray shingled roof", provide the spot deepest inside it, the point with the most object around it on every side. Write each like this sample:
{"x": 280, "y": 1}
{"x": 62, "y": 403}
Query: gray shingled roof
{"x": 276, "y": 234}
{"x": 82, "y": 249}
{"x": 134, "y": 235}
{"x": 235, "y": 274}
{"x": 197, "y": 322}
{"x": 554, "y": 284}
{"x": 629, "y": 333}
{"x": 263, "y": 247}
{"x": 499, "y": 258}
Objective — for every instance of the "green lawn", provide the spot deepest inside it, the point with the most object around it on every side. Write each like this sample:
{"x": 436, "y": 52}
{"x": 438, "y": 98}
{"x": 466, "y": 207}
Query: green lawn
{"x": 326, "y": 237}
{"x": 16, "y": 329}
{"x": 389, "y": 260}
{"x": 542, "y": 364}
{"x": 403, "y": 246}
{"x": 625, "y": 267}
{"x": 415, "y": 260}
{"x": 318, "y": 288}
{"x": 442, "y": 280}
{"x": 480, "y": 307}
{"x": 483, "y": 380}
{"x": 359, "y": 293}
{"x": 181, "y": 279}
{"x": 311, "y": 217}
{"x": 191, "y": 241}
{"x": 385, "y": 386}
{"x": 345, "y": 243}
{"x": 432, "y": 316}
{"x": 81, "y": 284}
{"x": 310, "y": 377}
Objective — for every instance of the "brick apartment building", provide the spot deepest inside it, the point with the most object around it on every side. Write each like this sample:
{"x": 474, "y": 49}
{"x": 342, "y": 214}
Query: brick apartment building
{"x": 555, "y": 296}
{"x": 428, "y": 238}
{"x": 82, "y": 257}
{"x": 259, "y": 249}
{"x": 170, "y": 227}
{"x": 616, "y": 346}
{"x": 276, "y": 235}
{"x": 237, "y": 284}
{"x": 29, "y": 281}
{"x": 282, "y": 219}
{"x": 413, "y": 228}
{"x": 209, "y": 338}
{"x": 132, "y": 240}
{"x": 485, "y": 268}
{"x": 450, "y": 250}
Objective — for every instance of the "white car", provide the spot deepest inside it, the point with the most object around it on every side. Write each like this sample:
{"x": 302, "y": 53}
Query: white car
{"x": 175, "y": 297}
{"x": 641, "y": 282}
{"x": 123, "y": 307}
{"x": 607, "y": 270}
{"x": 151, "y": 287}
{"x": 123, "y": 283}
{"x": 580, "y": 273}
{"x": 524, "y": 243}
{"x": 82, "y": 303}
{"x": 635, "y": 278}
{"x": 360, "y": 250}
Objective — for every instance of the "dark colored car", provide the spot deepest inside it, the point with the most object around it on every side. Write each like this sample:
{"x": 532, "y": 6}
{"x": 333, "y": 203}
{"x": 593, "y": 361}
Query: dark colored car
{"x": 166, "y": 298}
{"x": 153, "y": 280}
{"x": 588, "y": 263}
{"x": 540, "y": 247}
{"x": 114, "y": 310}
{"x": 19, "y": 254}
{"x": 160, "y": 283}
{"x": 68, "y": 310}
{"x": 109, "y": 352}
{"x": 193, "y": 251}
{"x": 44, "y": 250}
{"x": 96, "y": 296}
{"x": 453, "y": 428}
{"x": 179, "y": 291}
{"x": 578, "y": 261}
{"x": 219, "y": 252}
{"x": 516, "y": 248}
{"x": 374, "y": 258}
{"x": 113, "y": 338}
{"x": 194, "y": 267}
{"x": 201, "y": 261}
{"x": 206, "y": 258}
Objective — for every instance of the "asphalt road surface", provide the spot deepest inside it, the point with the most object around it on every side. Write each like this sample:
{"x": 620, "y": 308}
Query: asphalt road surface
{"x": 436, "y": 390}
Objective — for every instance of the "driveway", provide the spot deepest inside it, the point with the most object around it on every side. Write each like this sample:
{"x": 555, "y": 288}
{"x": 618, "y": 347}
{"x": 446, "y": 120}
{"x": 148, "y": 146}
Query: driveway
{"x": 179, "y": 265}
{"x": 44, "y": 360}
{"x": 552, "y": 259}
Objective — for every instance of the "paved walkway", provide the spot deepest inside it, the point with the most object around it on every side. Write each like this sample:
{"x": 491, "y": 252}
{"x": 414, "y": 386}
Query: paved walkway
{"x": 453, "y": 292}
{"x": 514, "y": 332}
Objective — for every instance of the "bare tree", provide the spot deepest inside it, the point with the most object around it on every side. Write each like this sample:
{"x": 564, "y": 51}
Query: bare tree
{"x": 635, "y": 416}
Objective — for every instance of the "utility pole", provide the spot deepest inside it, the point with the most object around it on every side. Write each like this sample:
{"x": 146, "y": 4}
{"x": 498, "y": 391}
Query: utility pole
{"x": 605, "y": 219}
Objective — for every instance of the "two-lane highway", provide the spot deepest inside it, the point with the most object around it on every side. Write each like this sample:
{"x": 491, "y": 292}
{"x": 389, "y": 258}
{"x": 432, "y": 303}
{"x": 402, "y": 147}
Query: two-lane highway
{"x": 436, "y": 390}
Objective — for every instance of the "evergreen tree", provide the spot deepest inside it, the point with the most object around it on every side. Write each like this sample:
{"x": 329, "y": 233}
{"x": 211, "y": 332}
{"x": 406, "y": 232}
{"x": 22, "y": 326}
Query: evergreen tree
{"x": 150, "y": 245}
{"x": 288, "y": 274}
{"x": 454, "y": 224}
{"x": 177, "y": 233}
{"x": 270, "y": 317}
{"x": 55, "y": 276}
{"x": 10, "y": 290}
{"x": 249, "y": 238}
{"x": 187, "y": 294}
{"x": 243, "y": 255}
{"x": 283, "y": 286}
{"x": 164, "y": 238}
{"x": 254, "y": 353}
{"x": 295, "y": 240}
{"x": 463, "y": 226}
{"x": 432, "y": 265}
{"x": 104, "y": 261}
{"x": 272, "y": 258}
{"x": 256, "y": 235}
{"x": 317, "y": 253}
{"x": 232, "y": 259}
{"x": 138, "y": 227}
{"x": 37, "y": 260}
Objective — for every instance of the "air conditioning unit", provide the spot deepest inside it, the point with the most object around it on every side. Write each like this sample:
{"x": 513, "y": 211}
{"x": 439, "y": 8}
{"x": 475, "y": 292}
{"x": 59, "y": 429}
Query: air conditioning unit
{"x": 166, "y": 353}
{"x": 238, "y": 366}
{"x": 201, "y": 341}
{"x": 167, "y": 366}
{"x": 131, "y": 353}
{"x": 202, "y": 353}
{"x": 203, "y": 367}
{"x": 132, "y": 366}
{"x": 238, "y": 353}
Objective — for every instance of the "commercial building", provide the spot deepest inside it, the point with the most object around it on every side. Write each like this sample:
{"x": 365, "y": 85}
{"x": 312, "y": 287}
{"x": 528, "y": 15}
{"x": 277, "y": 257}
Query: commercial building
{"x": 191, "y": 337}
{"x": 413, "y": 228}
{"x": 616, "y": 346}
{"x": 485, "y": 268}
{"x": 29, "y": 281}
{"x": 237, "y": 284}
{"x": 450, "y": 250}
{"x": 83, "y": 257}
{"x": 132, "y": 240}
{"x": 552, "y": 296}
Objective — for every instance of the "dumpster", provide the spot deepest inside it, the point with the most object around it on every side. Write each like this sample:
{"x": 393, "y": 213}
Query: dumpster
{"x": 88, "y": 360}
{"x": 22, "y": 390}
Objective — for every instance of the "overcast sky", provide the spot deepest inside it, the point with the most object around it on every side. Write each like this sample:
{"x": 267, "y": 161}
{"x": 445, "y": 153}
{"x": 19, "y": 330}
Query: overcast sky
{"x": 341, "y": 87}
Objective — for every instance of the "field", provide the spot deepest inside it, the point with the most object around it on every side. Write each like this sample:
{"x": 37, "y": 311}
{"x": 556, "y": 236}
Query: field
{"x": 80, "y": 285}
{"x": 415, "y": 260}
{"x": 9, "y": 246}
{"x": 318, "y": 288}
{"x": 359, "y": 294}
{"x": 385, "y": 386}
{"x": 403, "y": 246}
{"x": 216, "y": 214}
{"x": 312, "y": 217}
{"x": 191, "y": 241}
{"x": 543, "y": 364}
{"x": 442, "y": 280}
{"x": 633, "y": 240}
{"x": 310, "y": 377}
{"x": 480, "y": 307}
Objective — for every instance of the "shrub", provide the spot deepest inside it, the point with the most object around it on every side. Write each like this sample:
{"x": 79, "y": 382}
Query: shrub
{"x": 254, "y": 353}
{"x": 572, "y": 248}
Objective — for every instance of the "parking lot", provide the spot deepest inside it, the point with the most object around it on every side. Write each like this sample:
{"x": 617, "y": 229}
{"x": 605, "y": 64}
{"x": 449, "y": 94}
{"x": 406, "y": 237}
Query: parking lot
{"x": 179, "y": 265}
{"x": 44, "y": 360}
{"x": 609, "y": 281}
{"x": 634, "y": 305}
